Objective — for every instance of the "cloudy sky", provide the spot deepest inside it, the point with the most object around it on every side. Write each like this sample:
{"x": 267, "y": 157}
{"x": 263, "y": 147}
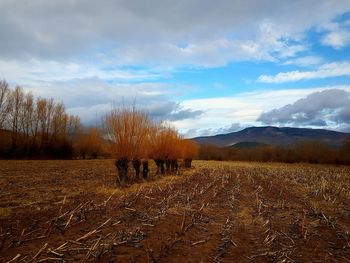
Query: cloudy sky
{"x": 205, "y": 66}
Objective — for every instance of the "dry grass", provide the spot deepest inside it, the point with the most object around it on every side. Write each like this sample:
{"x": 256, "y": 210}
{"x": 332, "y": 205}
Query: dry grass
{"x": 217, "y": 212}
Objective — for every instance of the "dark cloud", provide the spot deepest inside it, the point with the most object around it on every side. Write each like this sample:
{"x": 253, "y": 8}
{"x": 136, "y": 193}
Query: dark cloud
{"x": 328, "y": 107}
{"x": 160, "y": 108}
{"x": 184, "y": 114}
{"x": 171, "y": 111}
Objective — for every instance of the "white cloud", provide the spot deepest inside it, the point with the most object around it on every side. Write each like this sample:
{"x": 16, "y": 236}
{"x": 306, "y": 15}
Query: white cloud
{"x": 337, "y": 39}
{"x": 35, "y": 71}
{"x": 213, "y": 52}
{"x": 304, "y": 61}
{"x": 336, "y": 69}
{"x": 337, "y": 34}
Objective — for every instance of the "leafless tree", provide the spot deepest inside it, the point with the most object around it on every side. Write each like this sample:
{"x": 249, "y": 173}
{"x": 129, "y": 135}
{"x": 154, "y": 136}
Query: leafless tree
{"x": 5, "y": 103}
{"x": 17, "y": 97}
{"x": 127, "y": 131}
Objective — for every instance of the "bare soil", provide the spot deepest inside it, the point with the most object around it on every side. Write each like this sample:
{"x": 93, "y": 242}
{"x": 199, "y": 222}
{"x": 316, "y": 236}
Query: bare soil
{"x": 73, "y": 211}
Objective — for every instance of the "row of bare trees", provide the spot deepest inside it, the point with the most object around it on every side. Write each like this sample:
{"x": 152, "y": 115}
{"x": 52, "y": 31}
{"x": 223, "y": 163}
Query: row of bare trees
{"x": 34, "y": 126}
{"x": 135, "y": 138}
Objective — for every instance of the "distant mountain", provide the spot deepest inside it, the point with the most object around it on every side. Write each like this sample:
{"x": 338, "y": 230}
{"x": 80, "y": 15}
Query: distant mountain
{"x": 273, "y": 136}
{"x": 245, "y": 145}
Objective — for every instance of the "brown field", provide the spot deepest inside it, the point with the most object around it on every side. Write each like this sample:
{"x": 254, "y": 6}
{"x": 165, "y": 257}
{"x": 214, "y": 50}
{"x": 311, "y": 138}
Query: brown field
{"x": 71, "y": 211}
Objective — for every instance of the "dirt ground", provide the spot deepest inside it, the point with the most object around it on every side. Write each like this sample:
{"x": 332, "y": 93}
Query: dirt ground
{"x": 72, "y": 211}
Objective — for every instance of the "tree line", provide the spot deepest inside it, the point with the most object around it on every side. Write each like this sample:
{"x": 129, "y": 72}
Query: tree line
{"x": 41, "y": 128}
{"x": 34, "y": 127}
{"x": 307, "y": 151}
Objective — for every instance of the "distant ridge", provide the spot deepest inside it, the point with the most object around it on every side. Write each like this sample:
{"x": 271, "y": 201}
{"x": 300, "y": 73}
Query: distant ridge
{"x": 245, "y": 145}
{"x": 275, "y": 136}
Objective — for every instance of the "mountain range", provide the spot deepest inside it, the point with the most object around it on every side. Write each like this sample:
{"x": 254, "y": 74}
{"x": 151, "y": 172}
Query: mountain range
{"x": 275, "y": 136}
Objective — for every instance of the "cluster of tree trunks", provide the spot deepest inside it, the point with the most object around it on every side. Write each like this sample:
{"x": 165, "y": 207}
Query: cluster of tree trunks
{"x": 168, "y": 166}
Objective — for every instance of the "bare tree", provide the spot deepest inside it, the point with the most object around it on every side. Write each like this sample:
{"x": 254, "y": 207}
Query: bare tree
{"x": 189, "y": 151}
{"x": 73, "y": 128}
{"x": 58, "y": 122}
{"x": 17, "y": 97}
{"x": 34, "y": 127}
{"x": 89, "y": 143}
{"x": 164, "y": 147}
{"x": 41, "y": 115}
{"x": 50, "y": 107}
{"x": 26, "y": 118}
{"x": 127, "y": 131}
{"x": 5, "y": 103}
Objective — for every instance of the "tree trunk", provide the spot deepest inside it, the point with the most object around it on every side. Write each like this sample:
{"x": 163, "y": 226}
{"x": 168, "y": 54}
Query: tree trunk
{"x": 167, "y": 165}
{"x": 174, "y": 166}
{"x": 137, "y": 164}
{"x": 122, "y": 165}
{"x": 187, "y": 163}
{"x": 145, "y": 169}
{"x": 13, "y": 143}
{"x": 160, "y": 166}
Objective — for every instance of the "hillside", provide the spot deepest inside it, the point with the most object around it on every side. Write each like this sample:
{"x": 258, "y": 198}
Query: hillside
{"x": 274, "y": 136}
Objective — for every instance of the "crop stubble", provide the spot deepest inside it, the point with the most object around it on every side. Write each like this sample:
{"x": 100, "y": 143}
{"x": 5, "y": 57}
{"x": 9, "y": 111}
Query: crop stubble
{"x": 71, "y": 211}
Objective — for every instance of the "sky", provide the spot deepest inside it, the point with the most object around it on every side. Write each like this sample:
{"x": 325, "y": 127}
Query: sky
{"x": 206, "y": 67}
